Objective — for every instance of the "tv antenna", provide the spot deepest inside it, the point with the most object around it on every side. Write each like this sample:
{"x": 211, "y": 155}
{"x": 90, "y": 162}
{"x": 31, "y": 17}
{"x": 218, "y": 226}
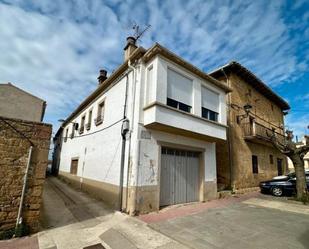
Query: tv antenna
{"x": 137, "y": 32}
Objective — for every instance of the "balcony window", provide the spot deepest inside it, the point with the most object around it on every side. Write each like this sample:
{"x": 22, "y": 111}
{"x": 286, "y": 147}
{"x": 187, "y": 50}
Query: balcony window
{"x": 178, "y": 105}
{"x": 179, "y": 91}
{"x": 210, "y": 104}
{"x": 210, "y": 115}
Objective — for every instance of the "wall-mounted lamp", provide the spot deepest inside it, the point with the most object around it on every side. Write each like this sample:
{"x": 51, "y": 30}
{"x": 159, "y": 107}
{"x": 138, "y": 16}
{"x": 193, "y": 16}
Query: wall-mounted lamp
{"x": 247, "y": 109}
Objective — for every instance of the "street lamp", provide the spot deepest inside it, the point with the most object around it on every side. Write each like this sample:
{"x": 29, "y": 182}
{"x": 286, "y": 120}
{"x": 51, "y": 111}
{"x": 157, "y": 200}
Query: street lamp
{"x": 247, "y": 109}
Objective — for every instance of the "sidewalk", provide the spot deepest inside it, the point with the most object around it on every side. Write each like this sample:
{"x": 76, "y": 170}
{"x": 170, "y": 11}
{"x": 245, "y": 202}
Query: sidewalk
{"x": 73, "y": 220}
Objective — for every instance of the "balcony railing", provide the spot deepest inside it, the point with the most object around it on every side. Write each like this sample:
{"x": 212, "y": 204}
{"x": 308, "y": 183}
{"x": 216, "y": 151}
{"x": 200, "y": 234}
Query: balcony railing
{"x": 256, "y": 130}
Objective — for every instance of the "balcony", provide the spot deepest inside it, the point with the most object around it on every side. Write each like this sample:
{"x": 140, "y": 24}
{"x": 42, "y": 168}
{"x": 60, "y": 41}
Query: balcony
{"x": 162, "y": 117}
{"x": 259, "y": 133}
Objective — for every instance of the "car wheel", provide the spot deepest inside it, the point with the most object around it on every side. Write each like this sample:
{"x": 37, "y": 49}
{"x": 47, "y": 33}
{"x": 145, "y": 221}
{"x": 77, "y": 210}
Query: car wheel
{"x": 276, "y": 191}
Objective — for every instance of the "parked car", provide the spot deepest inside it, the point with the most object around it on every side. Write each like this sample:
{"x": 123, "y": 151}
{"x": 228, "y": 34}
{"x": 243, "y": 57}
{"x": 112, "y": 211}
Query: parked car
{"x": 282, "y": 186}
{"x": 290, "y": 175}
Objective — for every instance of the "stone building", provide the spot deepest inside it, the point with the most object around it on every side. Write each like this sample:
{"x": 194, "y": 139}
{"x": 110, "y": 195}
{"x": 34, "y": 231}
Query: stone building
{"x": 254, "y": 112}
{"x": 16, "y": 138}
{"x": 146, "y": 137}
{"x": 19, "y": 104}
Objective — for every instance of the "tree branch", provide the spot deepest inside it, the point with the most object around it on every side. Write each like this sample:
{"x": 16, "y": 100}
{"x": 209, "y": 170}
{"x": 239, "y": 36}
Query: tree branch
{"x": 303, "y": 150}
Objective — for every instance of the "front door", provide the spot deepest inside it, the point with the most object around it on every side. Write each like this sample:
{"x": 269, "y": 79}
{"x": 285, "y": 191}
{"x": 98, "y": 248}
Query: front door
{"x": 179, "y": 176}
{"x": 279, "y": 167}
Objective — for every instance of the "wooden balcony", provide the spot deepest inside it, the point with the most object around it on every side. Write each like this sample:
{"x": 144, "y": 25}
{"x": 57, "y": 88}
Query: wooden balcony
{"x": 258, "y": 133}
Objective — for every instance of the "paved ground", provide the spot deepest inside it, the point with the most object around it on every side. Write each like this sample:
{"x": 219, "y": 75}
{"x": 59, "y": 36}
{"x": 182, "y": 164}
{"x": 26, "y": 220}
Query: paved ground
{"x": 71, "y": 219}
{"x": 260, "y": 222}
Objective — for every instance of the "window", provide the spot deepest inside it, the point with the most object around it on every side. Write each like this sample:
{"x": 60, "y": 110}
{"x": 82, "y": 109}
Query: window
{"x": 210, "y": 104}
{"x": 66, "y": 134}
{"x": 150, "y": 87}
{"x": 255, "y": 167}
{"x": 271, "y": 159}
{"x": 82, "y": 124}
{"x": 100, "y": 115}
{"x": 88, "y": 125}
{"x": 74, "y": 166}
{"x": 74, "y": 125}
{"x": 179, "y": 91}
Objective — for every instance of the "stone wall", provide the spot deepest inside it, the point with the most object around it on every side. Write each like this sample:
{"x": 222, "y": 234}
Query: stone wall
{"x": 14, "y": 151}
{"x": 266, "y": 113}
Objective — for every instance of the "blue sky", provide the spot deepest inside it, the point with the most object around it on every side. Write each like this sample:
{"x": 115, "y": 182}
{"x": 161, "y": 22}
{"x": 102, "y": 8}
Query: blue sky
{"x": 55, "y": 48}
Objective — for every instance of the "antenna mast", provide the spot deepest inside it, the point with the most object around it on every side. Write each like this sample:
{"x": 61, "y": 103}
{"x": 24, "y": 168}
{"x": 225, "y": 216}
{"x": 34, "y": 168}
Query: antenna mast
{"x": 138, "y": 34}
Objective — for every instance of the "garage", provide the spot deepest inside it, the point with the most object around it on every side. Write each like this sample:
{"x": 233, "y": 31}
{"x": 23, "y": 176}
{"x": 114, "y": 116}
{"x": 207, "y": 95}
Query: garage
{"x": 179, "y": 182}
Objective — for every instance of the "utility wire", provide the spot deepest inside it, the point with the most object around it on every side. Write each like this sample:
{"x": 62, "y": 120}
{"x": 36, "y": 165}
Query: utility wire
{"x": 16, "y": 130}
{"x": 105, "y": 128}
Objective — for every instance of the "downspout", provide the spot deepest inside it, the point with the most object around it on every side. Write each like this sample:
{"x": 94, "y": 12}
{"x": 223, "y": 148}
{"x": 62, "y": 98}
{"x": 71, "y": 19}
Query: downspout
{"x": 124, "y": 130}
{"x": 134, "y": 197}
{"x": 19, "y": 218}
{"x": 229, "y": 135}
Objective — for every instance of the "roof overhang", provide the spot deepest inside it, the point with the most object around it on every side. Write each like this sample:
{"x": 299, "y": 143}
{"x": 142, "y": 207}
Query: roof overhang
{"x": 157, "y": 49}
{"x": 251, "y": 79}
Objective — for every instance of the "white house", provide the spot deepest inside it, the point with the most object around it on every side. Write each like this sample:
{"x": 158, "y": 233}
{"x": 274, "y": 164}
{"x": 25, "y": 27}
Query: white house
{"x": 146, "y": 136}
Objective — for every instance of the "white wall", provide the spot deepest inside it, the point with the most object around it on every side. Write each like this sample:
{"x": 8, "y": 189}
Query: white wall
{"x": 160, "y": 67}
{"x": 99, "y": 153}
{"x": 149, "y": 155}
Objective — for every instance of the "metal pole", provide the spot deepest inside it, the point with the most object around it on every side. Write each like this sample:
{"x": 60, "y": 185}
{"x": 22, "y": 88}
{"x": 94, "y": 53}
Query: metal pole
{"x": 19, "y": 218}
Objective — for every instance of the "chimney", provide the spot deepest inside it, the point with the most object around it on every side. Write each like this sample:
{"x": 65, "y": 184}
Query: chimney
{"x": 130, "y": 47}
{"x": 102, "y": 77}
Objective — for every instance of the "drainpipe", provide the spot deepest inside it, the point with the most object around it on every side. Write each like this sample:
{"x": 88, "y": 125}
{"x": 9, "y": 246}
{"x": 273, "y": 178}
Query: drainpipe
{"x": 124, "y": 130}
{"x": 134, "y": 197}
{"x": 229, "y": 135}
{"x": 19, "y": 218}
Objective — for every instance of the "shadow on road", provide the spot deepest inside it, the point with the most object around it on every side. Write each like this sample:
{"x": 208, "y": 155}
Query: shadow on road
{"x": 62, "y": 205}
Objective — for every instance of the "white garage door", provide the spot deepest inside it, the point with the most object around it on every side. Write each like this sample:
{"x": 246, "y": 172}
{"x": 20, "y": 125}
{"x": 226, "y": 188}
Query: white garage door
{"x": 179, "y": 176}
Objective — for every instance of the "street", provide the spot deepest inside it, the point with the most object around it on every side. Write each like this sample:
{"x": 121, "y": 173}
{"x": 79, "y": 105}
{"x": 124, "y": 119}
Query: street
{"x": 71, "y": 219}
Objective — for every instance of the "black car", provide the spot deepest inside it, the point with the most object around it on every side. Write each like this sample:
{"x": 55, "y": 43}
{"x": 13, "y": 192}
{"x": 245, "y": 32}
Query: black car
{"x": 284, "y": 186}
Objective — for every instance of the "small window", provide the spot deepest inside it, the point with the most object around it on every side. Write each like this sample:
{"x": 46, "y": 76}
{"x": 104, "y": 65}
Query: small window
{"x": 74, "y": 125}
{"x": 255, "y": 167}
{"x": 271, "y": 159}
{"x": 88, "y": 125}
{"x": 66, "y": 134}
{"x": 82, "y": 124}
{"x": 100, "y": 115}
{"x": 74, "y": 166}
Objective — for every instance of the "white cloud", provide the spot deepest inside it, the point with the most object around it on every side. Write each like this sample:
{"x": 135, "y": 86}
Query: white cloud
{"x": 54, "y": 49}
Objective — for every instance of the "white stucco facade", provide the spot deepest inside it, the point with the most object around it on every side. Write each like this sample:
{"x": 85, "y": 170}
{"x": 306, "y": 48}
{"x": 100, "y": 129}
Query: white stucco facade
{"x": 99, "y": 150}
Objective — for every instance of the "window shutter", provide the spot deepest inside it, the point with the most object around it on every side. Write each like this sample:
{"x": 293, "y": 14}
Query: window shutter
{"x": 210, "y": 100}
{"x": 179, "y": 87}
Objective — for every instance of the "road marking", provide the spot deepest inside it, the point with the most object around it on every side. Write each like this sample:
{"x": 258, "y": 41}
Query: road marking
{"x": 279, "y": 205}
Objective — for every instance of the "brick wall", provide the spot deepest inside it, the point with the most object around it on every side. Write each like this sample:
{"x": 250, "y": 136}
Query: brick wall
{"x": 14, "y": 152}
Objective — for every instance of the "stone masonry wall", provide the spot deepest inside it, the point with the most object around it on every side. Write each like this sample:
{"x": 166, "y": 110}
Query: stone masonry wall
{"x": 266, "y": 113}
{"x": 14, "y": 152}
